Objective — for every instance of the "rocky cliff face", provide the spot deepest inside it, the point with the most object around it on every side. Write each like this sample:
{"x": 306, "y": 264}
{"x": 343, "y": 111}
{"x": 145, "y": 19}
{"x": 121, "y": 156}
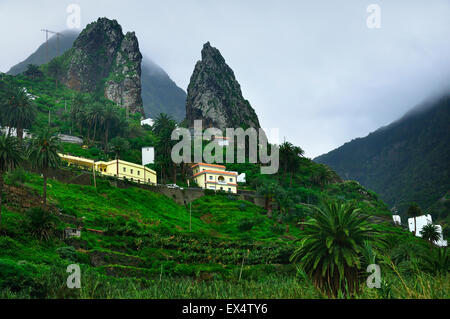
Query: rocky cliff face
{"x": 105, "y": 60}
{"x": 159, "y": 93}
{"x": 215, "y": 96}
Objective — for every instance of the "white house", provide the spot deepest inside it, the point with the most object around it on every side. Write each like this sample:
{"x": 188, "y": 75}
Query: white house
{"x": 148, "y": 121}
{"x": 148, "y": 155}
{"x": 422, "y": 221}
{"x": 397, "y": 219}
{"x": 13, "y": 132}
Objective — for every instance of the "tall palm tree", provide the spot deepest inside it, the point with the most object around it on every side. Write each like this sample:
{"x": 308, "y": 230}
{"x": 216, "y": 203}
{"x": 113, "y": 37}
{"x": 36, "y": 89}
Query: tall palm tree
{"x": 162, "y": 128}
{"x": 330, "y": 249}
{"x": 19, "y": 109}
{"x": 110, "y": 119}
{"x": 285, "y": 153}
{"x": 10, "y": 156}
{"x": 76, "y": 110}
{"x": 294, "y": 161}
{"x": 96, "y": 116}
{"x": 322, "y": 176}
{"x": 430, "y": 233}
{"x": 43, "y": 154}
{"x": 268, "y": 190}
{"x": 414, "y": 211}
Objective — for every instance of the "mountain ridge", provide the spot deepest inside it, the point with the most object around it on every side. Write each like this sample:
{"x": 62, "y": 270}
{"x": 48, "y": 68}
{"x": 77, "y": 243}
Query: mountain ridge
{"x": 405, "y": 161}
{"x": 160, "y": 94}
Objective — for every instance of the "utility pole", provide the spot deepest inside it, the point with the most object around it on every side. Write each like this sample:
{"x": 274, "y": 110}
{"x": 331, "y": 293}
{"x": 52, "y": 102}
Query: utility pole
{"x": 93, "y": 173}
{"x": 46, "y": 42}
{"x": 190, "y": 216}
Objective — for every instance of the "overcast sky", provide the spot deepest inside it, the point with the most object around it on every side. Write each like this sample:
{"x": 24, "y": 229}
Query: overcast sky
{"x": 313, "y": 69}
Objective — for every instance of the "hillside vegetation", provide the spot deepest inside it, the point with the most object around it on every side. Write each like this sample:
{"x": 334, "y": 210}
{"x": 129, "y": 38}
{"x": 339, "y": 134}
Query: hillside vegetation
{"x": 406, "y": 161}
{"x": 136, "y": 243}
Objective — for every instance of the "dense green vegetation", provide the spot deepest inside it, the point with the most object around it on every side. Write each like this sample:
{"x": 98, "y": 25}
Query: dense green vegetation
{"x": 140, "y": 244}
{"x": 406, "y": 161}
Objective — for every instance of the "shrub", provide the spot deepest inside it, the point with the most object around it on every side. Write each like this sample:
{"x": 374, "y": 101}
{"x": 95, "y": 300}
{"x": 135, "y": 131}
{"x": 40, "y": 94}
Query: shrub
{"x": 16, "y": 276}
{"x": 68, "y": 253}
{"x": 41, "y": 223}
{"x": 277, "y": 229}
{"x": 16, "y": 177}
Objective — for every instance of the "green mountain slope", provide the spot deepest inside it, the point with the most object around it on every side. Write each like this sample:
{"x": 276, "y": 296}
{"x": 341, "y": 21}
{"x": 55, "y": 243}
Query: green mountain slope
{"x": 159, "y": 93}
{"x": 406, "y": 161}
{"x": 39, "y": 57}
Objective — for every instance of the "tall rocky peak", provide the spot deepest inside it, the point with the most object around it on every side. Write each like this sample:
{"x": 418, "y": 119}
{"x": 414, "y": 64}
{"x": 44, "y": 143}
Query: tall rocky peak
{"x": 214, "y": 95}
{"x": 104, "y": 59}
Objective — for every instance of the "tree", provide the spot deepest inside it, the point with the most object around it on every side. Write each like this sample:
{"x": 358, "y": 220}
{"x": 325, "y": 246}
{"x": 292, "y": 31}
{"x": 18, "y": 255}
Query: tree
{"x": 10, "y": 156}
{"x": 120, "y": 146}
{"x": 294, "y": 161}
{"x": 162, "y": 128}
{"x": 33, "y": 71}
{"x": 43, "y": 154}
{"x": 42, "y": 223}
{"x": 430, "y": 233}
{"x": 76, "y": 111}
{"x": 96, "y": 117}
{"x": 55, "y": 70}
{"x": 322, "y": 176}
{"x": 330, "y": 249}
{"x": 111, "y": 118}
{"x": 285, "y": 152}
{"x": 436, "y": 262}
{"x": 267, "y": 189}
{"x": 19, "y": 109}
{"x": 414, "y": 211}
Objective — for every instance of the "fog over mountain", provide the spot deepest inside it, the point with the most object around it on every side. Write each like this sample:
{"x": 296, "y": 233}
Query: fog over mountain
{"x": 312, "y": 69}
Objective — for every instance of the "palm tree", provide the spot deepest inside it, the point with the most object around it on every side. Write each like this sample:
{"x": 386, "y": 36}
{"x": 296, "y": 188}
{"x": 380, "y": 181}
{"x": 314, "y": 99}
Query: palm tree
{"x": 43, "y": 154}
{"x": 76, "y": 110}
{"x": 294, "y": 161}
{"x": 414, "y": 211}
{"x": 330, "y": 249}
{"x": 96, "y": 116}
{"x": 33, "y": 71}
{"x": 111, "y": 118}
{"x": 10, "y": 156}
{"x": 19, "y": 109}
{"x": 267, "y": 189}
{"x": 430, "y": 233}
{"x": 285, "y": 153}
{"x": 322, "y": 176}
{"x": 436, "y": 262}
{"x": 162, "y": 128}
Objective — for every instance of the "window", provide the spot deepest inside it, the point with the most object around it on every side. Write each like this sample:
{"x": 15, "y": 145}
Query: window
{"x": 210, "y": 177}
{"x": 139, "y": 173}
{"x": 124, "y": 169}
{"x": 131, "y": 171}
{"x": 231, "y": 179}
{"x": 221, "y": 188}
{"x": 229, "y": 189}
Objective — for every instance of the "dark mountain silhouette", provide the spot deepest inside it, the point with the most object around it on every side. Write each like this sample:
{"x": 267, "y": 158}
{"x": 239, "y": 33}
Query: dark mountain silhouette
{"x": 159, "y": 93}
{"x": 406, "y": 161}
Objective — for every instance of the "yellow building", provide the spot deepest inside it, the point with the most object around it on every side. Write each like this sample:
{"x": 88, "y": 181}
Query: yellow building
{"x": 214, "y": 177}
{"x": 116, "y": 168}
